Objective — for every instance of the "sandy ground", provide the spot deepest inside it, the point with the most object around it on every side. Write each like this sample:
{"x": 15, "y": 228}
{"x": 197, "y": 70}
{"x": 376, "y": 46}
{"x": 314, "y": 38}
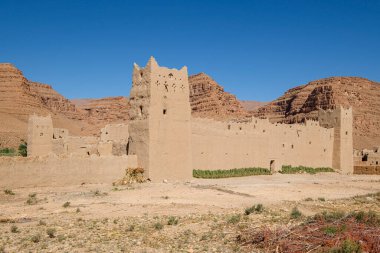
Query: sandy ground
{"x": 194, "y": 201}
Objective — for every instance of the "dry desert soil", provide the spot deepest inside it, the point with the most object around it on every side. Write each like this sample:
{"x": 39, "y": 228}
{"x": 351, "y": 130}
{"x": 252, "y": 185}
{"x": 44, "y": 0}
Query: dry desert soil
{"x": 196, "y": 216}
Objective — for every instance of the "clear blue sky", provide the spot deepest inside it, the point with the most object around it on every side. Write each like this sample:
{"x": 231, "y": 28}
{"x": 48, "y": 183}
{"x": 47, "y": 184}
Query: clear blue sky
{"x": 255, "y": 49}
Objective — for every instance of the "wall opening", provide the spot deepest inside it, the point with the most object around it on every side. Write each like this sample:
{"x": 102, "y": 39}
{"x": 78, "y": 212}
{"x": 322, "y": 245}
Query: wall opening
{"x": 292, "y": 146}
{"x": 164, "y": 112}
{"x": 229, "y": 127}
{"x": 272, "y": 165}
{"x": 141, "y": 110}
{"x": 346, "y": 132}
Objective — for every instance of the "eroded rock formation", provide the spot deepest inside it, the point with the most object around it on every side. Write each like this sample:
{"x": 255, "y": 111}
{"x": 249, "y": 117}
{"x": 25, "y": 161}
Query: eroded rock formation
{"x": 209, "y": 100}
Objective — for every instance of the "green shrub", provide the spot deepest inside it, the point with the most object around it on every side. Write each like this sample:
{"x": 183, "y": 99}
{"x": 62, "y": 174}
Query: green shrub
{"x": 172, "y": 220}
{"x": 51, "y": 232}
{"x": 348, "y": 246}
{"x": 242, "y": 172}
{"x": 66, "y": 204}
{"x": 287, "y": 169}
{"x": 7, "y": 152}
{"x": 14, "y": 229}
{"x": 295, "y": 213}
{"x": 254, "y": 209}
{"x": 32, "y": 199}
{"x": 158, "y": 226}
{"x": 322, "y": 199}
{"x": 234, "y": 219}
{"x": 36, "y": 238}
{"x": 330, "y": 231}
{"x": 9, "y": 192}
{"x": 23, "y": 149}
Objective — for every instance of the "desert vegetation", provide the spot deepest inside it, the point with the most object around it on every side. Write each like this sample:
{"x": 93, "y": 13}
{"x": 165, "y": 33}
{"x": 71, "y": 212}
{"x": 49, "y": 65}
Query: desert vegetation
{"x": 22, "y": 150}
{"x": 287, "y": 169}
{"x": 242, "y": 172}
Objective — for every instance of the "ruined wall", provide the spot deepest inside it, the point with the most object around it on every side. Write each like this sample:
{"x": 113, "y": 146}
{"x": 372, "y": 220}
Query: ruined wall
{"x": 40, "y": 135}
{"x": 259, "y": 143}
{"x": 160, "y": 121}
{"x": 53, "y": 171}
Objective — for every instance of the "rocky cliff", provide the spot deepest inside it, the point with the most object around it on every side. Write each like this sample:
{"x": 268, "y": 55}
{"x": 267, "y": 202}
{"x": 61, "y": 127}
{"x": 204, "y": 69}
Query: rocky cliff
{"x": 304, "y": 101}
{"x": 109, "y": 109}
{"x": 208, "y": 99}
{"x": 20, "y": 97}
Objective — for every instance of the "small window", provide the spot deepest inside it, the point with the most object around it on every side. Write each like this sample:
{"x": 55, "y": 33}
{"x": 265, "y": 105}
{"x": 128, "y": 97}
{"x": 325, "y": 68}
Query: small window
{"x": 41, "y": 134}
{"x": 141, "y": 109}
{"x": 164, "y": 111}
{"x": 264, "y": 131}
{"x": 229, "y": 127}
{"x": 309, "y": 142}
{"x": 346, "y": 132}
{"x": 292, "y": 146}
{"x": 283, "y": 145}
{"x": 240, "y": 128}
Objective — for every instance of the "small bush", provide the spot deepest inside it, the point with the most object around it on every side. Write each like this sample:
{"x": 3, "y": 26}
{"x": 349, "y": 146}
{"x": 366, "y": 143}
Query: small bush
{"x": 51, "y": 232}
{"x": 322, "y": 199}
{"x": 330, "y": 231}
{"x": 32, "y": 199}
{"x": 42, "y": 223}
{"x": 158, "y": 226}
{"x": 348, "y": 246}
{"x": 309, "y": 199}
{"x": 66, "y": 204}
{"x": 9, "y": 192}
{"x": 130, "y": 228}
{"x": 23, "y": 149}
{"x": 287, "y": 169}
{"x": 295, "y": 214}
{"x": 234, "y": 219}
{"x": 254, "y": 209}
{"x": 7, "y": 152}
{"x": 172, "y": 220}
{"x": 78, "y": 210}
{"x": 14, "y": 229}
{"x": 36, "y": 238}
{"x": 242, "y": 172}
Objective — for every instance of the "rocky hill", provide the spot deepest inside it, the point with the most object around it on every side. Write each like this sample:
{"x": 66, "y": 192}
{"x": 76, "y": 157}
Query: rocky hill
{"x": 250, "y": 105}
{"x": 20, "y": 97}
{"x": 304, "y": 101}
{"x": 208, "y": 99}
{"x": 109, "y": 109}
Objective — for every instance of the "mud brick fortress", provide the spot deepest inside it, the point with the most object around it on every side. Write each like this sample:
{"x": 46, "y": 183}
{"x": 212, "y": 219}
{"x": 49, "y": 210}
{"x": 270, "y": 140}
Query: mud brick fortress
{"x": 163, "y": 138}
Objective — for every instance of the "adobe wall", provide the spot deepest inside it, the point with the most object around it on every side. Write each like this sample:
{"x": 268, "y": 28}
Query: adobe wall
{"x": 160, "y": 113}
{"x": 53, "y": 171}
{"x": 227, "y": 145}
{"x": 367, "y": 169}
{"x": 115, "y": 133}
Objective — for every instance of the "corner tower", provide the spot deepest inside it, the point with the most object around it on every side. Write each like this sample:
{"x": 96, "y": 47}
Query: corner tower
{"x": 341, "y": 120}
{"x": 159, "y": 128}
{"x": 40, "y": 135}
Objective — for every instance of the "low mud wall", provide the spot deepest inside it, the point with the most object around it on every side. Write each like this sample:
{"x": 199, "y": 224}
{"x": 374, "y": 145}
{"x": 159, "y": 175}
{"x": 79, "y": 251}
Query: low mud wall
{"x": 53, "y": 171}
{"x": 369, "y": 170}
